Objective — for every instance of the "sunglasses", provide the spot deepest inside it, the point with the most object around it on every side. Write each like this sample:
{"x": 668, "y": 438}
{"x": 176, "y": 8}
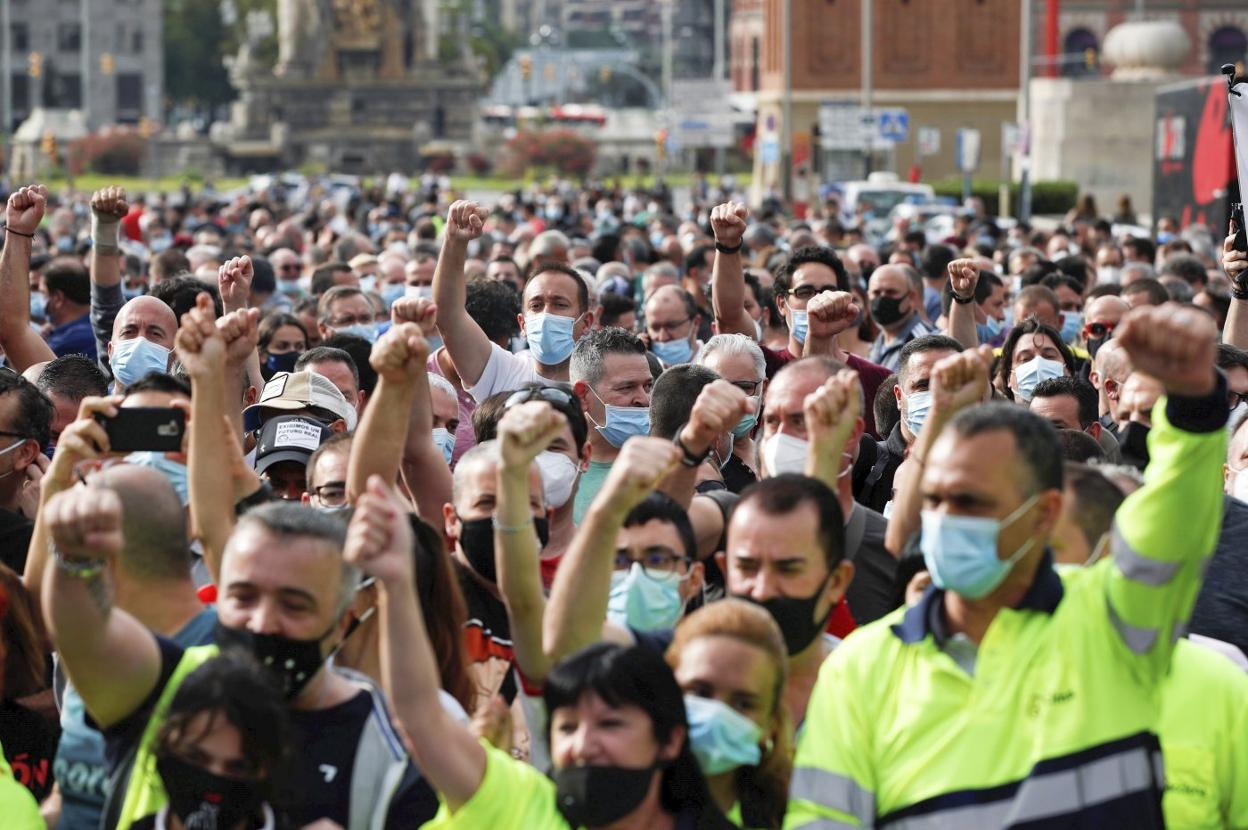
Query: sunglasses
{"x": 550, "y": 394}
{"x": 1098, "y": 330}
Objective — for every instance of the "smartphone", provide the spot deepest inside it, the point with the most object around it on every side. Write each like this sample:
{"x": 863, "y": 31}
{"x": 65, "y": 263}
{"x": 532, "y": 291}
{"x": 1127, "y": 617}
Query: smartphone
{"x": 138, "y": 429}
{"x": 1241, "y": 235}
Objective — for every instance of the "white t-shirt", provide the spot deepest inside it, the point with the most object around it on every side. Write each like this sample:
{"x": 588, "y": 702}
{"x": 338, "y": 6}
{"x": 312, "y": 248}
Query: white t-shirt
{"x": 504, "y": 372}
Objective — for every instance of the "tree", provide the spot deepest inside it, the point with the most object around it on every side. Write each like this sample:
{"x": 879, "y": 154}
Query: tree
{"x": 197, "y": 39}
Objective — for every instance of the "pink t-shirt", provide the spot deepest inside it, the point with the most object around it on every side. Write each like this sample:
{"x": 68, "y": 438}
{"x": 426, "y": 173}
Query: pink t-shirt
{"x": 465, "y": 438}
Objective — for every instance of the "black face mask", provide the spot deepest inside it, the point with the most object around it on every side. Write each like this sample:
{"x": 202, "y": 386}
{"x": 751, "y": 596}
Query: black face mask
{"x": 1095, "y": 343}
{"x": 205, "y": 801}
{"x": 1133, "y": 440}
{"x": 598, "y": 796}
{"x": 477, "y": 540}
{"x": 275, "y": 363}
{"x": 291, "y": 663}
{"x": 887, "y": 310}
{"x": 795, "y": 616}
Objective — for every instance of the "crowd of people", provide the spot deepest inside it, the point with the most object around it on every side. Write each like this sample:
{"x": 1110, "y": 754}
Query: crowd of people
{"x": 388, "y": 509}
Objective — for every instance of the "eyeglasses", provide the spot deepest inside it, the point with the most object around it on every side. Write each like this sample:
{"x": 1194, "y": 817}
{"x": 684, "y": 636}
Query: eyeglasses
{"x": 1098, "y": 330}
{"x": 658, "y": 328}
{"x": 331, "y": 494}
{"x": 550, "y": 394}
{"x": 656, "y": 561}
{"x": 807, "y": 292}
{"x": 5, "y": 434}
{"x": 749, "y": 387}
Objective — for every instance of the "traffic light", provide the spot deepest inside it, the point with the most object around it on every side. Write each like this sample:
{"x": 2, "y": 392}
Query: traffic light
{"x": 526, "y": 67}
{"x": 604, "y": 74}
{"x": 35, "y": 68}
{"x": 660, "y": 144}
{"x": 48, "y": 145}
{"x": 107, "y": 63}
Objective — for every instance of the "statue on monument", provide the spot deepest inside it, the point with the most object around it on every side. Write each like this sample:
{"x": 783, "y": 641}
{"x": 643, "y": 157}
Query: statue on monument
{"x": 311, "y": 34}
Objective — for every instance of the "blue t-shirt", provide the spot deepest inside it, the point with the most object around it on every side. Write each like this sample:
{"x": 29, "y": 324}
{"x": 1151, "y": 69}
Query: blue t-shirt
{"x": 74, "y": 337}
{"x": 80, "y": 767}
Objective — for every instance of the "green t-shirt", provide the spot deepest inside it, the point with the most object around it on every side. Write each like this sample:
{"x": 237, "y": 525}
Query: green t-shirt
{"x": 18, "y": 806}
{"x": 591, "y": 483}
{"x": 512, "y": 795}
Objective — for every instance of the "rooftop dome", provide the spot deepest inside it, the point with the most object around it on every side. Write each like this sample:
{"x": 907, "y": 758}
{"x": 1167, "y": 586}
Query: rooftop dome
{"x": 1146, "y": 49}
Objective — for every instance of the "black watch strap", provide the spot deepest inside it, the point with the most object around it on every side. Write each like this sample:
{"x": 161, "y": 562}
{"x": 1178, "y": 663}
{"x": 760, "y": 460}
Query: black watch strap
{"x": 688, "y": 458}
{"x": 1239, "y": 288}
{"x": 962, "y": 300}
{"x": 261, "y": 496}
{"x": 724, "y": 249}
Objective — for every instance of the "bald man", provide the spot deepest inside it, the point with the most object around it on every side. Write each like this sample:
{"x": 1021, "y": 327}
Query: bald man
{"x": 142, "y": 340}
{"x": 1110, "y": 369}
{"x": 1101, "y": 317}
{"x": 672, "y": 320}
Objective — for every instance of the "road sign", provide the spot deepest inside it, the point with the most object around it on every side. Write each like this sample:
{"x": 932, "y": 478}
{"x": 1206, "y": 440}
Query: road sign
{"x": 968, "y": 150}
{"x": 845, "y": 127}
{"x": 1011, "y": 138}
{"x": 894, "y": 124}
{"x": 702, "y": 116}
{"x": 770, "y": 150}
{"x": 929, "y": 141}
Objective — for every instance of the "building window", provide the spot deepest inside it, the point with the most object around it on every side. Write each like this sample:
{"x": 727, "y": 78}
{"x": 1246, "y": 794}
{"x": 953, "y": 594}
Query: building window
{"x": 129, "y": 98}
{"x": 20, "y": 36}
{"x": 69, "y": 37}
{"x": 1082, "y": 54}
{"x": 136, "y": 41}
{"x": 1227, "y": 45}
{"x": 755, "y": 64}
{"x": 20, "y": 84}
{"x": 66, "y": 91}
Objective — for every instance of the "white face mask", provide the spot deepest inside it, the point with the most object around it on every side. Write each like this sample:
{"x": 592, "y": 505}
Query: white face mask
{"x": 1239, "y": 485}
{"x": 559, "y": 474}
{"x": 784, "y": 453}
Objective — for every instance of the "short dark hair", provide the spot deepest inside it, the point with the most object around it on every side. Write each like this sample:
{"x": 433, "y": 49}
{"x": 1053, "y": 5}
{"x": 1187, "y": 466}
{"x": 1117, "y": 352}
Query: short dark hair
{"x": 885, "y": 407}
{"x": 1230, "y": 357}
{"x": 168, "y": 264}
{"x": 615, "y": 306}
{"x": 1054, "y": 281}
{"x": 919, "y": 345}
{"x": 934, "y": 263}
{"x": 1005, "y": 364}
{"x": 1036, "y": 439}
{"x": 697, "y": 257}
{"x": 329, "y": 354}
{"x": 33, "y": 419}
{"x": 659, "y": 505}
{"x": 162, "y": 382}
{"x": 273, "y": 321}
{"x": 1096, "y": 500}
{"x": 1073, "y": 267}
{"x": 1035, "y": 273}
{"x": 323, "y": 277}
{"x": 494, "y": 304}
{"x": 1144, "y": 247}
{"x": 673, "y": 397}
{"x": 265, "y": 280}
{"x": 68, "y": 276}
{"x": 1084, "y": 393}
{"x": 180, "y": 294}
{"x": 73, "y": 377}
{"x": 1079, "y": 446}
{"x": 582, "y": 290}
{"x": 802, "y": 256}
{"x": 781, "y": 495}
{"x": 1155, "y": 289}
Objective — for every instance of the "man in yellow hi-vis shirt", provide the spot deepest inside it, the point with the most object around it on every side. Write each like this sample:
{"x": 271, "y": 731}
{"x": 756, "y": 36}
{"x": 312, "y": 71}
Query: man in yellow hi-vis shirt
{"x": 1010, "y": 695}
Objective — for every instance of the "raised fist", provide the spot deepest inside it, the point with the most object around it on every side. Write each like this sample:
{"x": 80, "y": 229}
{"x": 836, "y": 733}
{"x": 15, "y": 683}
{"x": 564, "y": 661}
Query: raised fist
{"x": 1174, "y": 344}
{"x": 728, "y": 222}
{"x": 830, "y": 313}
{"x": 960, "y": 380}
{"x": 526, "y": 431}
{"x": 465, "y": 221}
{"x": 717, "y": 410}
{"x": 637, "y": 470}
{"x": 400, "y": 355}
{"x": 832, "y": 410}
{"x": 963, "y": 277}
{"x": 416, "y": 310}
{"x": 234, "y": 281}
{"x": 1234, "y": 262}
{"x": 240, "y": 330}
{"x": 25, "y": 209}
{"x": 110, "y": 203}
{"x": 199, "y": 344}
{"x": 85, "y": 523}
{"x": 379, "y": 538}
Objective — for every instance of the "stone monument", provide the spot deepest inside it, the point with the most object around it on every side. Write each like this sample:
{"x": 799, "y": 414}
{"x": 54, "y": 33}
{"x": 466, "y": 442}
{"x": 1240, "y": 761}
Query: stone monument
{"x": 359, "y": 87}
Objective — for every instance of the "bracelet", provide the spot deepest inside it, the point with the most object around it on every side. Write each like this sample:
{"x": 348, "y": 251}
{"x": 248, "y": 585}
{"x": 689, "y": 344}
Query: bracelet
{"x": 962, "y": 300}
{"x": 80, "y": 568}
{"x": 688, "y": 458}
{"x": 263, "y": 494}
{"x": 509, "y": 528}
{"x": 1239, "y": 289}
{"x": 19, "y": 233}
{"x": 724, "y": 249}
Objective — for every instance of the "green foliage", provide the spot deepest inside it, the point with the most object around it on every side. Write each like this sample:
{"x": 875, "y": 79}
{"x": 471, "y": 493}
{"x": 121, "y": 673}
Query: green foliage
{"x": 197, "y": 40}
{"x": 114, "y": 152}
{"x": 1047, "y": 197}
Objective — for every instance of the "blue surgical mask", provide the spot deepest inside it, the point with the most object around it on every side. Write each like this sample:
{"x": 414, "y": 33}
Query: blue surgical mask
{"x": 672, "y": 352}
{"x": 136, "y": 358}
{"x": 282, "y": 362}
{"x": 722, "y": 738}
{"x": 1031, "y": 374}
{"x": 38, "y": 305}
{"x": 444, "y": 441}
{"x": 623, "y": 422}
{"x": 989, "y": 330}
{"x": 1009, "y": 316}
{"x": 798, "y": 324}
{"x": 392, "y": 292}
{"x": 961, "y": 551}
{"x": 291, "y": 288}
{"x": 746, "y": 425}
{"x": 172, "y": 470}
{"x": 550, "y": 337}
{"x": 643, "y": 602}
{"x": 1072, "y": 325}
{"x": 917, "y": 405}
{"x": 366, "y": 330}
{"x": 130, "y": 293}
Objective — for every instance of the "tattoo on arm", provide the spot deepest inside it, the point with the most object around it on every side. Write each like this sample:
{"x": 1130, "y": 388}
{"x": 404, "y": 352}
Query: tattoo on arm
{"x": 101, "y": 592}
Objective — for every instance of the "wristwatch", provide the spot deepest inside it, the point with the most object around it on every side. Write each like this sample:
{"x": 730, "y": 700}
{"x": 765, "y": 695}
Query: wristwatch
{"x": 262, "y": 495}
{"x": 960, "y": 300}
{"x": 724, "y": 249}
{"x": 688, "y": 458}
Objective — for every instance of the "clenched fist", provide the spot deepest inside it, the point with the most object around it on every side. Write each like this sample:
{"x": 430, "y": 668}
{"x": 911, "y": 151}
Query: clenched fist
{"x": 640, "y": 466}
{"x": 25, "y": 209}
{"x": 85, "y": 523}
{"x": 400, "y": 355}
{"x": 110, "y": 203}
{"x": 719, "y": 407}
{"x": 728, "y": 222}
{"x": 465, "y": 221}
{"x": 963, "y": 277}
{"x": 830, "y": 313}
{"x": 525, "y": 431}
{"x": 416, "y": 310}
{"x": 1175, "y": 344}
